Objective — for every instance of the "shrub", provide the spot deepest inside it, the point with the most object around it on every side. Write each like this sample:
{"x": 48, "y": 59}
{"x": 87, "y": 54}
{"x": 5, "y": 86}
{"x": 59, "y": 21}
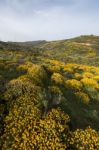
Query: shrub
{"x": 37, "y": 74}
{"x": 91, "y": 87}
{"x": 57, "y": 78}
{"x": 22, "y": 116}
{"x": 18, "y": 87}
{"x": 96, "y": 78}
{"x": 77, "y": 76}
{"x": 82, "y": 97}
{"x": 26, "y": 130}
{"x": 73, "y": 84}
{"x": 53, "y": 69}
{"x": 87, "y": 139}
{"x": 88, "y": 75}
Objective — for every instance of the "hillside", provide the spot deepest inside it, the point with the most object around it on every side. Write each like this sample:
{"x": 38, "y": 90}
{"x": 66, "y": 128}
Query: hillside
{"x": 49, "y": 94}
{"x": 83, "y": 49}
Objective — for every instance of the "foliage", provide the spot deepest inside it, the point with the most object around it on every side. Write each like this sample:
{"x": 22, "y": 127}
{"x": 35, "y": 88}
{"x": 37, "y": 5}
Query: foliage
{"x": 87, "y": 139}
{"x": 83, "y": 97}
{"x": 56, "y": 95}
{"x": 26, "y": 130}
{"x": 73, "y": 84}
{"x": 91, "y": 87}
{"x": 57, "y": 79}
{"x": 18, "y": 87}
{"x": 35, "y": 72}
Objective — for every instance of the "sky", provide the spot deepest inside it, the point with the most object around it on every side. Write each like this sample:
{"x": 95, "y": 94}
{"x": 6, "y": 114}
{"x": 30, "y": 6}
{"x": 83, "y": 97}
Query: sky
{"x": 31, "y": 20}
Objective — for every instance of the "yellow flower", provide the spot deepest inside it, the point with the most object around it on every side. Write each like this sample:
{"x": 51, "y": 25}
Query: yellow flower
{"x": 74, "y": 84}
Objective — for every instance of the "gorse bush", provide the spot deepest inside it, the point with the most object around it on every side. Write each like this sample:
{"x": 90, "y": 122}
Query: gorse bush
{"x": 57, "y": 78}
{"x": 18, "y": 87}
{"x": 96, "y": 78}
{"x": 82, "y": 97}
{"x": 73, "y": 85}
{"x": 35, "y": 72}
{"x": 91, "y": 87}
{"x": 22, "y": 115}
{"x": 87, "y": 139}
{"x": 25, "y": 128}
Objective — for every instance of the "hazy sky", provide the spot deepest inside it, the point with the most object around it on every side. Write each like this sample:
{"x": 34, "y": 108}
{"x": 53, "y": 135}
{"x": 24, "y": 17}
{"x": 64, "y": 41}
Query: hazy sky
{"x": 27, "y": 20}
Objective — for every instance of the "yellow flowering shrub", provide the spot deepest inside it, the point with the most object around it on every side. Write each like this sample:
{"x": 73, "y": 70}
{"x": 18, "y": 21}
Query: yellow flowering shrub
{"x": 91, "y": 87}
{"x": 90, "y": 82}
{"x": 25, "y": 129}
{"x": 57, "y": 78}
{"x": 21, "y": 119}
{"x": 96, "y": 78}
{"x": 83, "y": 97}
{"x": 77, "y": 76}
{"x": 79, "y": 68}
{"x": 88, "y": 75}
{"x": 56, "y": 63}
{"x": 87, "y": 139}
{"x": 24, "y": 78}
{"x": 24, "y": 67}
{"x": 68, "y": 69}
{"x": 52, "y": 131}
{"x": 73, "y": 84}
{"x": 37, "y": 74}
{"x": 19, "y": 87}
{"x": 53, "y": 69}
{"x": 83, "y": 68}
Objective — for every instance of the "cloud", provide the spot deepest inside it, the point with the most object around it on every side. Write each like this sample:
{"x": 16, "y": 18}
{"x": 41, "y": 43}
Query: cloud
{"x": 47, "y": 19}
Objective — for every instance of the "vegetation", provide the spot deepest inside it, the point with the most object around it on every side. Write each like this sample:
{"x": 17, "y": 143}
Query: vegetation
{"x": 49, "y": 95}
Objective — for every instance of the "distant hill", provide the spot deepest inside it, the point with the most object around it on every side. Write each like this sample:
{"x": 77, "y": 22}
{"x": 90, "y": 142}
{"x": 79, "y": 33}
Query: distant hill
{"x": 83, "y": 49}
{"x": 20, "y": 45}
{"x": 30, "y": 43}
